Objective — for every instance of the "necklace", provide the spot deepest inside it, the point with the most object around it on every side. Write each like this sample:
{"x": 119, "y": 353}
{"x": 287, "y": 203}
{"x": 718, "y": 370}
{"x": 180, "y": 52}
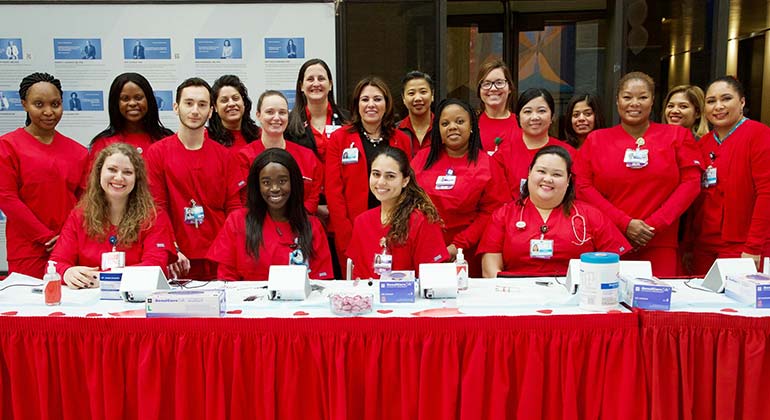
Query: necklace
{"x": 372, "y": 140}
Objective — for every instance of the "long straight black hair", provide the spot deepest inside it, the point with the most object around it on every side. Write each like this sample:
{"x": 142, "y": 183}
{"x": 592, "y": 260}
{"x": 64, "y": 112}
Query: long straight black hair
{"x": 295, "y": 206}
{"x": 151, "y": 120}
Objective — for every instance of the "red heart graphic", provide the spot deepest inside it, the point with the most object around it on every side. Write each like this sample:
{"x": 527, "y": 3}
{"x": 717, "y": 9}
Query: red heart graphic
{"x": 10, "y": 313}
{"x": 546, "y": 311}
{"x": 56, "y": 314}
{"x": 614, "y": 311}
{"x": 385, "y": 311}
{"x": 235, "y": 312}
{"x": 93, "y": 314}
{"x": 301, "y": 313}
{"x": 729, "y": 310}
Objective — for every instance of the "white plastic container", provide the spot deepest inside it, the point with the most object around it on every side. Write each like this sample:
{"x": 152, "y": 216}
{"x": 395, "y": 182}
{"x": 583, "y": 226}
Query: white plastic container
{"x": 599, "y": 281}
{"x": 462, "y": 270}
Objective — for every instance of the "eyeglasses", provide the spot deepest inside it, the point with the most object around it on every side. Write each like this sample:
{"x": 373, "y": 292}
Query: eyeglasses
{"x": 500, "y": 83}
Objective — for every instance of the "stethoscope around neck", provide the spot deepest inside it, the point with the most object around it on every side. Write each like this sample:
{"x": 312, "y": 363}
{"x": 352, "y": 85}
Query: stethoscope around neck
{"x": 579, "y": 239}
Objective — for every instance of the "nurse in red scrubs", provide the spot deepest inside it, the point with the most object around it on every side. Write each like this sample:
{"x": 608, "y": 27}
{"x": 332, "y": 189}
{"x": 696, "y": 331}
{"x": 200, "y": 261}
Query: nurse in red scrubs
{"x": 274, "y": 228}
{"x": 732, "y": 214}
{"x": 643, "y": 175}
{"x": 541, "y": 231}
{"x": 461, "y": 180}
{"x": 41, "y": 173}
{"x": 417, "y": 94}
{"x": 116, "y": 214}
{"x": 497, "y": 92}
{"x": 231, "y": 124}
{"x": 404, "y": 231}
{"x": 134, "y": 116}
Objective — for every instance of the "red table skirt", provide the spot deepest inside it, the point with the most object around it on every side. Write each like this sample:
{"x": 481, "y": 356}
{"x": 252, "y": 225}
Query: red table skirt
{"x": 550, "y": 367}
{"x": 707, "y": 366}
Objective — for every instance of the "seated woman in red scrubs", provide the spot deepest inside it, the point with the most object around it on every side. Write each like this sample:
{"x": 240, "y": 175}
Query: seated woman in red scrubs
{"x": 116, "y": 214}
{"x": 274, "y": 228}
{"x": 541, "y": 231}
{"x": 405, "y": 230}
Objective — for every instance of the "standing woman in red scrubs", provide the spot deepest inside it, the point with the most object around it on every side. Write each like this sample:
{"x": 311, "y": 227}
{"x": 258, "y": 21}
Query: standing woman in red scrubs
{"x": 641, "y": 174}
{"x": 40, "y": 176}
{"x": 350, "y": 154}
{"x": 134, "y": 117}
{"x": 582, "y": 116}
{"x": 497, "y": 92}
{"x": 540, "y": 232}
{"x": 315, "y": 115}
{"x": 231, "y": 124}
{"x": 417, "y": 93}
{"x": 404, "y": 231}
{"x": 461, "y": 180}
{"x": 732, "y": 214}
{"x": 274, "y": 228}
{"x": 535, "y": 109}
{"x": 684, "y": 106}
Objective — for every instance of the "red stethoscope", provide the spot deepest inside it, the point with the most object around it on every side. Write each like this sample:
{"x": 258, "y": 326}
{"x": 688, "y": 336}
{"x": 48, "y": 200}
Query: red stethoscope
{"x": 580, "y": 239}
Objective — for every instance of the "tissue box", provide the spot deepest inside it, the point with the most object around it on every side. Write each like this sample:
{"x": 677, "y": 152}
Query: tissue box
{"x": 645, "y": 293}
{"x": 109, "y": 283}
{"x": 751, "y": 289}
{"x": 398, "y": 287}
{"x": 186, "y": 303}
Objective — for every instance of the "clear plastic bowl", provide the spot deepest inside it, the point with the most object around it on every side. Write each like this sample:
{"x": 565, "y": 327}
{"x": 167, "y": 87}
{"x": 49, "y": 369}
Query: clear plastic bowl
{"x": 351, "y": 303}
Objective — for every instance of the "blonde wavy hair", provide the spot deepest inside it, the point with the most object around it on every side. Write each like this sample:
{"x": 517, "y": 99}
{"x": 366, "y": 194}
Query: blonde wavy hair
{"x": 140, "y": 210}
{"x": 695, "y": 96}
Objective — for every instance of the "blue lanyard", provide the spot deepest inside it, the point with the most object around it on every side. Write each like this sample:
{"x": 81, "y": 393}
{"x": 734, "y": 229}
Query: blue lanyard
{"x": 732, "y": 130}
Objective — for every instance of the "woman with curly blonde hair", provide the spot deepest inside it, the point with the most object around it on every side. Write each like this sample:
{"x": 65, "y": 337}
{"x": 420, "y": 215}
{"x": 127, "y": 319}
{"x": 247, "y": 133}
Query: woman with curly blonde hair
{"x": 405, "y": 230}
{"x": 116, "y": 214}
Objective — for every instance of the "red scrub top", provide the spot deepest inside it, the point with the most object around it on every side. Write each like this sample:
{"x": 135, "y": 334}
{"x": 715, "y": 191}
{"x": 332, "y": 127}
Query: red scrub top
{"x": 238, "y": 140}
{"x": 466, "y": 207}
{"x": 309, "y": 165}
{"x": 141, "y": 141}
{"x": 503, "y": 237}
{"x": 423, "y": 245}
{"x": 493, "y": 128}
{"x": 322, "y": 139}
{"x": 178, "y": 175}
{"x": 347, "y": 185}
{"x": 735, "y": 212}
{"x": 229, "y": 249}
{"x": 154, "y": 246}
{"x": 513, "y": 159}
{"x": 39, "y": 186}
{"x": 407, "y": 128}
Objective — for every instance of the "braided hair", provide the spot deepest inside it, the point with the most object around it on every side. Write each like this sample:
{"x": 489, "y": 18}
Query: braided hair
{"x": 33, "y": 78}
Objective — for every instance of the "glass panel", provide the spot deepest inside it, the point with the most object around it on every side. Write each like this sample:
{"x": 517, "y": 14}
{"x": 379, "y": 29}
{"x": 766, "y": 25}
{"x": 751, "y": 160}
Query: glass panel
{"x": 467, "y": 48}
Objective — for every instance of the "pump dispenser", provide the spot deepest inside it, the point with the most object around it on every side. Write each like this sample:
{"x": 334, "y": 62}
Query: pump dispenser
{"x": 462, "y": 270}
{"x": 52, "y": 282}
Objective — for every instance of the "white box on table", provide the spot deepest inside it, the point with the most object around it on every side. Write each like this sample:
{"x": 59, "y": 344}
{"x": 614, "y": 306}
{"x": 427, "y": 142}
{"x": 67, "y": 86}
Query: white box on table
{"x": 751, "y": 289}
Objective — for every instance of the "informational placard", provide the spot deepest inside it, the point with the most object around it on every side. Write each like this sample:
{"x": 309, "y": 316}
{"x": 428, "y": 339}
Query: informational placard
{"x": 86, "y": 46}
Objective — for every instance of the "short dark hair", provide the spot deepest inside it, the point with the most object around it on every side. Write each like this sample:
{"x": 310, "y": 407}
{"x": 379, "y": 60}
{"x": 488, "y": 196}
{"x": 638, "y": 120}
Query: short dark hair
{"x": 437, "y": 143}
{"x": 193, "y": 81}
{"x": 33, "y": 78}
{"x": 530, "y": 94}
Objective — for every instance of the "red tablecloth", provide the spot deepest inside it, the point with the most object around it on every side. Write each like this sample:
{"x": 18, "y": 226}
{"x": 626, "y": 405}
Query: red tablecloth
{"x": 707, "y": 366}
{"x": 554, "y": 367}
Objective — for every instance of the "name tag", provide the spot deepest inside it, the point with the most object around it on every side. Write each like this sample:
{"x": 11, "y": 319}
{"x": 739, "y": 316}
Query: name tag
{"x": 541, "y": 248}
{"x": 709, "y": 177}
{"x": 445, "y": 182}
{"x": 194, "y": 215}
{"x": 636, "y": 158}
{"x": 112, "y": 260}
{"x": 350, "y": 156}
{"x": 383, "y": 263}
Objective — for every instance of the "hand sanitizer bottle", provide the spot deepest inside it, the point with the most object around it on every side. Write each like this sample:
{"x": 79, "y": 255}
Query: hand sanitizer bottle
{"x": 52, "y": 282}
{"x": 462, "y": 270}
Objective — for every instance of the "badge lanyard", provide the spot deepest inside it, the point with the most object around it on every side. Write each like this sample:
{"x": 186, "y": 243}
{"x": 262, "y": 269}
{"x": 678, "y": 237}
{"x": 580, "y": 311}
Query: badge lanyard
{"x": 732, "y": 130}
{"x": 383, "y": 262}
{"x": 709, "y": 177}
{"x": 113, "y": 259}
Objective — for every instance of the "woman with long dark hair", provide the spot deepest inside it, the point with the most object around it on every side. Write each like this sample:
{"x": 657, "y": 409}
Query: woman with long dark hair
{"x": 134, "y": 117}
{"x": 41, "y": 173}
{"x": 404, "y": 231}
{"x": 231, "y": 124}
{"x": 274, "y": 228}
{"x": 582, "y": 115}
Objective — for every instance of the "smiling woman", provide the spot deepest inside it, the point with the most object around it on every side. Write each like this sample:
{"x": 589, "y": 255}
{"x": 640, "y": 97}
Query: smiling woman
{"x": 231, "y": 124}
{"x": 116, "y": 214}
{"x": 274, "y": 228}
{"x": 541, "y": 231}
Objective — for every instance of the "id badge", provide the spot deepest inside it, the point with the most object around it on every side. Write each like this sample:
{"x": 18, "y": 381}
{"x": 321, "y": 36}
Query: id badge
{"x": 296, "y": 257}
{"x": 330, "y": 128}
{"x": 350, "y": 155}
{"x": 383, "y": 263}
{"x": 636, "y": 158}
{"x": 113, "y": 259}
{"x": 522, "y": 185}
{"x": 541, "y": 248}
{"x": 445, "y": 182}
{"x": 194, "y": 215}
{"x": 710, "y": 177}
